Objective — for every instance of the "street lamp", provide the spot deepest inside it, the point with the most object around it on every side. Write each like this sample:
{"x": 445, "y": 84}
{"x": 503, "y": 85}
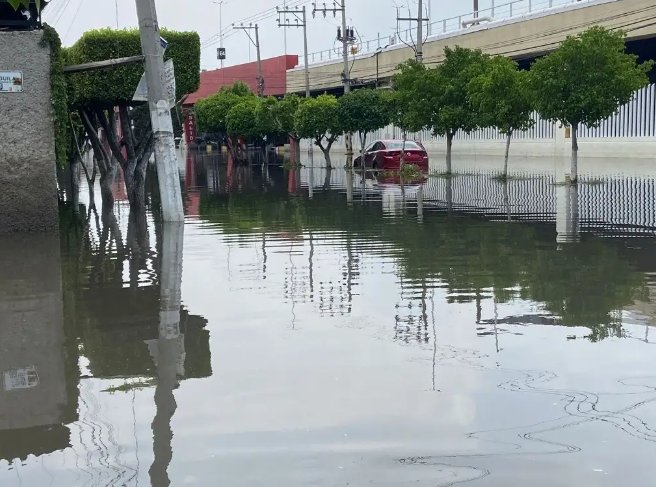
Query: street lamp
{"x": 377, "y": 54}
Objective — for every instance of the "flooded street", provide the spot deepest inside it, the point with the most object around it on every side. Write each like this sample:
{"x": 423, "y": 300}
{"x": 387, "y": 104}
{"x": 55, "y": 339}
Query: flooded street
{"x": 314, "y": 328}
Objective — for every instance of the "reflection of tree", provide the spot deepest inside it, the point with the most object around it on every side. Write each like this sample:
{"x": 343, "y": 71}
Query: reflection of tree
{"x": 111, "y": 312}
{"x": 582, "y": 283}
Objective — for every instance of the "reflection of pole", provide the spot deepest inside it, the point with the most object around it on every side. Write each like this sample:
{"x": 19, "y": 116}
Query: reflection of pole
{"x": 434, "y": 335}
{"x": 449, "y": 194}
{"x": 567, "y": 214}
{"x": 420, "y": 204}
{"x": 496, "y": 318}
{"x": 349, "y": 186}
{"x": 167, "y": 351}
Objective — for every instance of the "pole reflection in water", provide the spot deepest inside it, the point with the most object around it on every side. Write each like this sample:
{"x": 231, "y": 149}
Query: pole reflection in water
{"x": 349, "y": 185}
{"x": 568, "y": 226}
{"x": 167, "y": 350}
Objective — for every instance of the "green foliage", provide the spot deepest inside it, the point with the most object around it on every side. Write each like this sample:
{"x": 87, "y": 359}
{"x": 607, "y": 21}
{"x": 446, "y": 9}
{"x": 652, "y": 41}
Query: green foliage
{"x": 115, "y": 86}
{"x": 318, "y": 118}
{"x": 211, "y": 112}
{"x": 58, "y": 93}
{"x": 587, "y": 78}
{"x": 409, "y": 104}
{"x": 501, "y": 96}
{"x": 241, "y": 118}
{"x": 446, "y": 94}
{"x": 266, "y": 117}
{"x": 26, "y": 4}
{"x": 363, "y": 111}
{"x": 284, "y": 113}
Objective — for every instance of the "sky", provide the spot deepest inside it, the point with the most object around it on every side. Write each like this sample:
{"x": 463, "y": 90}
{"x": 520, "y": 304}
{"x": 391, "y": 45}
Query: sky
{"x": 369, "y": 17}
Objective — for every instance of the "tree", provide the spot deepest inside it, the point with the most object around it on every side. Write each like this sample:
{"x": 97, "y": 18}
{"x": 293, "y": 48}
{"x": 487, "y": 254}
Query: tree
{"x": 318, "y": 119}
{"x": 363, "y": 111}
{"x": 445, "y": 90}
{"x": 211, "y": 112}
{"x": 284, "y": 113}
{"x": 585, "y": 81}
{"x": 103, "y": 100}
{"x": 501, "y": 97}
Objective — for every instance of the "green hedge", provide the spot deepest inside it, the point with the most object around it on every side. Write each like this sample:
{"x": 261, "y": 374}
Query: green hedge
{"x": 109, "y": 87}
{"x": 58, "y": 96}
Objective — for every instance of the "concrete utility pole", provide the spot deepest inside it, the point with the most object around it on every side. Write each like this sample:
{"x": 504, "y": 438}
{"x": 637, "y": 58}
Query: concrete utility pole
{"x": 160, "y": 113}
{"x": 256, "y": 42}
{"x": 419, "y": 46}
{"x": 302, "y": 22}
{"x": 420, "y": 33}
{"x": 346, "y": 38}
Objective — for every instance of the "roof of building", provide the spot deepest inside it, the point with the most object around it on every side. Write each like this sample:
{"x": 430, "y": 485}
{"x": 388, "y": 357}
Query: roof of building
{"x": 274, "y": 71}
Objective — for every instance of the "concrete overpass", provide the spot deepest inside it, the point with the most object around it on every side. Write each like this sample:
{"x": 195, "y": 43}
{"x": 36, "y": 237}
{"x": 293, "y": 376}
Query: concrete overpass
{"x": 524, "y": 37}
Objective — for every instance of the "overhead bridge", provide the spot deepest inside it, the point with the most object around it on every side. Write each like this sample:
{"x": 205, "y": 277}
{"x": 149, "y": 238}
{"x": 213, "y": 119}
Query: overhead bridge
{"x": 532, "y": 29}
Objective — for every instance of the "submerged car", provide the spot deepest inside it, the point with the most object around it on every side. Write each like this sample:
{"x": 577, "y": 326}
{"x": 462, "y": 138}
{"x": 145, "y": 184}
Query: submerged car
{"x": 386, "y": 155}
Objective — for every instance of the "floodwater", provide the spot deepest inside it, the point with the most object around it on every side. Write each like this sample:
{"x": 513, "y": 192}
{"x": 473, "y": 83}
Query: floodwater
{"x": 311, "y": 328}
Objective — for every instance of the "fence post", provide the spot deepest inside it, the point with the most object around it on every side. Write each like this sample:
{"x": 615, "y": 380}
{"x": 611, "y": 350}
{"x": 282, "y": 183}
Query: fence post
{"x": 492, "y": 8}
{"x": 459, "y": 22}
{"x": 511, "y": 6}
{"x": 444, "y": 25}
{"x": 530, "y": 6}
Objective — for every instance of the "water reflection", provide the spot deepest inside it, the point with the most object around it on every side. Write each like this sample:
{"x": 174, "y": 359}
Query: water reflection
{"x": 337, "y": 302}
{"x": 38, "y": 383}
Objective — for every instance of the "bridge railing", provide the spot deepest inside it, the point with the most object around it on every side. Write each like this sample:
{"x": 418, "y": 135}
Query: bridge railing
{"x": 497, "y": 11}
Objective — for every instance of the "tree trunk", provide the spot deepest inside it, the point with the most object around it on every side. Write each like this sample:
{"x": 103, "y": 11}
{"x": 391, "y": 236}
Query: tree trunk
{"x": 505, "y": 162}
{"x": 136, "y": 189}
{"x": 295, "y": 149}
{"x": 402, "y": 162}
{"x": 449, "y": 144}
{"x": 363, "y": 141}
{"x": 326, "y": 155}
{"x": 106, "y": 193}
{"x": 573, "y": 174}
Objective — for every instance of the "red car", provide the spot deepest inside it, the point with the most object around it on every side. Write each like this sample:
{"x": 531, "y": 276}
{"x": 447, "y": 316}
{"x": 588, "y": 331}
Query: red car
{"x": 386, "y": 155}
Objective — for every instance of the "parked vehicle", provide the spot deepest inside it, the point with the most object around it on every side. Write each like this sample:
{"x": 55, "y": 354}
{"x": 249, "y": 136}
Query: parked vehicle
{"x": 386, "y": 155}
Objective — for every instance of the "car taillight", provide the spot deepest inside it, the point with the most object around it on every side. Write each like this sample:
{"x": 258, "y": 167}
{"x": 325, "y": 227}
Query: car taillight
{"x": 393, "y": 154}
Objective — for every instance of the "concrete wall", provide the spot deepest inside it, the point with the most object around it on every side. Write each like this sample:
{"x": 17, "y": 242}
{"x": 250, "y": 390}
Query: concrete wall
{"x": 518, "y": 37}
{"x": 28, "y": 187}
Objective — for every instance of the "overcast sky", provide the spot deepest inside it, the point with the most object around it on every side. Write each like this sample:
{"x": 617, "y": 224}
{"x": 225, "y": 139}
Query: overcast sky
{"x": 370, "y": 17}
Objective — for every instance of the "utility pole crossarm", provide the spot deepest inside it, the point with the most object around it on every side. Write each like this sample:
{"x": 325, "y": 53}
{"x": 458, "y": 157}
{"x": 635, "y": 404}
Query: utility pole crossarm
{"x": 301, "y": 23}
{"x": 256, "y": 43}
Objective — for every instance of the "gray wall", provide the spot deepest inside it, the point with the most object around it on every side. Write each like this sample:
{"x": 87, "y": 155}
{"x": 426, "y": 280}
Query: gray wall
{"x": 28, "y": 188}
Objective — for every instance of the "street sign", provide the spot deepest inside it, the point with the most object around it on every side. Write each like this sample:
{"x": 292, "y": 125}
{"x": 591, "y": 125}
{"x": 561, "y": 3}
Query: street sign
{"x": 221, "y": 53}
{"x": 11, "y": 82}
{"x": 141, "y": 94}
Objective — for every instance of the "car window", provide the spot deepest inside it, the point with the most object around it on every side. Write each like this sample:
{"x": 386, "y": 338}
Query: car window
{"x": 370, "y": 147}
{"x": 409, "y": 145}
{"x": 378, "y": 146}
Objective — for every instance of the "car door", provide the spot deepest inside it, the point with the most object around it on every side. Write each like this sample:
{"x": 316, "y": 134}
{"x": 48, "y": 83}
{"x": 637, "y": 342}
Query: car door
{"x": 372, "y": 151}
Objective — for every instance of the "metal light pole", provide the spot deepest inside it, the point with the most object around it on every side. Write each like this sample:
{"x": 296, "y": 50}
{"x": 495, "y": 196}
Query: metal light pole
{"x": 160, "y": 113}
{"x": 302, "y": 22}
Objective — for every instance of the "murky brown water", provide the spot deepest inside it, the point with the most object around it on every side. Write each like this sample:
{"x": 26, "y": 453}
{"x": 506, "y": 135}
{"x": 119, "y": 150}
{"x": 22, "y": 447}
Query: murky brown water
{"x": 343, "y": 332}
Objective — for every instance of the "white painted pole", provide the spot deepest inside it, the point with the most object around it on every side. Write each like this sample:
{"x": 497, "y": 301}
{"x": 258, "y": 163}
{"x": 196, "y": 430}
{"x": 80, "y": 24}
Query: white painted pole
{"x": 160, "y": 113}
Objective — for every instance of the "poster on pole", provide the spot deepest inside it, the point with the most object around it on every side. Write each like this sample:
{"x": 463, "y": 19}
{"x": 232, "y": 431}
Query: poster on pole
{"x": 11, "y": 82}
{"x": 141, "y": 94}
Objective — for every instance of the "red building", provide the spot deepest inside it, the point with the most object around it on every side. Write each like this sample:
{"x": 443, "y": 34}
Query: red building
{"x": 274, "y": 72}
